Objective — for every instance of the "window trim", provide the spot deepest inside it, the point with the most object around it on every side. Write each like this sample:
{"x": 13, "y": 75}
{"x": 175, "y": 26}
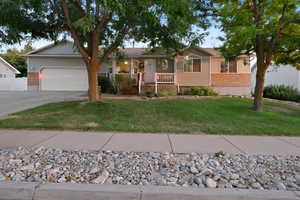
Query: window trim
{"x": 192, "y": 59}
{"x": 228, "y": 67}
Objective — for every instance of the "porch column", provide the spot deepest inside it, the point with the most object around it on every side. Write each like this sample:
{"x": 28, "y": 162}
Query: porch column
{"x": 114, "y": 66}
{"x": 131, "y": 67}
{"x": 175, "y": 78}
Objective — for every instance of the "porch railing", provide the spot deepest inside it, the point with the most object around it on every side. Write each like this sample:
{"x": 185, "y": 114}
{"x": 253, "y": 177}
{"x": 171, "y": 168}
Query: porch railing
{"x": 165, "y": 77}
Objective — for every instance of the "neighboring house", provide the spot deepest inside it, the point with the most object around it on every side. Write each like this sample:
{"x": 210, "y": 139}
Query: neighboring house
{"x": 279, "y": 75}
{"x": 61, "y": 67}
{"x": 8, "y": 80}
{"x": 6, "y": 70}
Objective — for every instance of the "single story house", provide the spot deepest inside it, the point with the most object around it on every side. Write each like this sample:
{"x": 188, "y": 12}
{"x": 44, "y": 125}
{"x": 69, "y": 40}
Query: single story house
{"x": 7, "y": 70}
{"x": 279, "y": 75}
{"x": 61, "y": 67}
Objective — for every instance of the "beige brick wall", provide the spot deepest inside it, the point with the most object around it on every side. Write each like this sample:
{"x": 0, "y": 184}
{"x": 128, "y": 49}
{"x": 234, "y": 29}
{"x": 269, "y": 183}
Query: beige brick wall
{"x": 238, "y": 91}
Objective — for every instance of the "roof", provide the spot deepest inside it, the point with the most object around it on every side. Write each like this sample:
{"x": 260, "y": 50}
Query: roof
{"x": 142, "y": 52}
{"x": 36, "y": 53}
{"x": 212, "y": 51}
{"x": 126, "y": 52}
{"x": 134, "y": 52}
{"x": 9, "y": 66}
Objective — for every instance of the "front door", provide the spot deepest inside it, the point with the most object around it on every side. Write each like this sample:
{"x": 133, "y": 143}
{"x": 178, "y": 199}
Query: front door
{"x": 149, "y": 70}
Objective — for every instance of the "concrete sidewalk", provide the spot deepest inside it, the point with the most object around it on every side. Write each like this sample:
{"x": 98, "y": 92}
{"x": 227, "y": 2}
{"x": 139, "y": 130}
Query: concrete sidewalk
{"x": 141, "y": 142}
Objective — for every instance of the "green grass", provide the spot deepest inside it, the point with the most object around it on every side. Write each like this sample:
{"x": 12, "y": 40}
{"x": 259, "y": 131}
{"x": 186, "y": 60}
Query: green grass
{"x": 212, "y": 115}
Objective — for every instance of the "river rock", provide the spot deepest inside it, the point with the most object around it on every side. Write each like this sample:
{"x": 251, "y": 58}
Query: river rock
{"x": 101, "y": 179}
{"x": 210, "y": 183}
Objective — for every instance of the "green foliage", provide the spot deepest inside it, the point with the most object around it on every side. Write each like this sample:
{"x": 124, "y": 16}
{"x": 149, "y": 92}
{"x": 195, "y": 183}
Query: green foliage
{"x": 149, "y": 93}
{"x": 106, "y": 85}
{"x": 282, "y": 92}
{"x": 124, "y": 84}
{"x": 273, "y": 24}
{"x": 201, "y": 91}
{"x": 164, "y": 93}
{"x": 13, "y": 57}
{"x": 288, "y": 57}
{"x": 219, "y": 154}
{"x": 161, "y": 23}
{"x": 28, "y": 19}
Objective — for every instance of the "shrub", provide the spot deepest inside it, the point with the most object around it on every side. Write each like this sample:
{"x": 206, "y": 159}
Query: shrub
{"x": 106, "y": 85}
{"x": 149, "y": 93}
{"x": 125, "y": 84}
{"x": 201, "y": 91}
{"x": 219, "y": 154}
{"x": 164, "y": 93}
{"x": 282, "y": 92}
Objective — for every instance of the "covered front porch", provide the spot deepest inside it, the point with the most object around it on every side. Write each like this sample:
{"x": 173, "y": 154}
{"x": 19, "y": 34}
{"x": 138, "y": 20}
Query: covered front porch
{"x": 152, "y": 71}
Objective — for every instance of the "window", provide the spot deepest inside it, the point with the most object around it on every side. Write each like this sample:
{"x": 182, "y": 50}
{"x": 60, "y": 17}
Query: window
{"x": 165, "y": 66}
{"x": 192, "y": 65}
{"x": 2, "y": 75}
{"x": 228, "y": 66}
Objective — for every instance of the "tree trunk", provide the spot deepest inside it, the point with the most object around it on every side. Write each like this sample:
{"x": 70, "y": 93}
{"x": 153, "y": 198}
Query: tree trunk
{"x": 259, "y": 87}
{"x": 93, "y": 82}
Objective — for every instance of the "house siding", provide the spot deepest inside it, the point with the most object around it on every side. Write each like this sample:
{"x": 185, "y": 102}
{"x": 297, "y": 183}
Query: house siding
{"x": 37, "y": 63}
{"x": 65, "y": 48}
{"x": 241, "y": 67}
{"x": 5, "y": 70}
{"x": 193, "y": 78}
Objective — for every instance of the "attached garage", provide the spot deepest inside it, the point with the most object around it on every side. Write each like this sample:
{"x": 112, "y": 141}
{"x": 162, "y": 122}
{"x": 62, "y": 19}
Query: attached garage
{"x": 63, "y": 79}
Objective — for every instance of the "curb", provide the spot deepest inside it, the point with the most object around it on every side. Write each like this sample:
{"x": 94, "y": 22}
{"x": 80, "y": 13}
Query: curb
{"x": 70, "y": 191}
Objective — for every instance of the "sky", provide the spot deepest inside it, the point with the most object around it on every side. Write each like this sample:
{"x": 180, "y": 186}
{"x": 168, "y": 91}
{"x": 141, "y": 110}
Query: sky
{"x": 209, "y": 42}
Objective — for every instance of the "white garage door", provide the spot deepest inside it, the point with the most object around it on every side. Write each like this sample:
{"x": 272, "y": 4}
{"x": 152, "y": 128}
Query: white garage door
{"x": 64, "y": 79}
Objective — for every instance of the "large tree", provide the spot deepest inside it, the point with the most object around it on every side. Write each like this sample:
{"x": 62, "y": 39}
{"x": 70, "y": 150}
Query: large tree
{"x": 270, "y": 29}
{"x": 100, "y": 27}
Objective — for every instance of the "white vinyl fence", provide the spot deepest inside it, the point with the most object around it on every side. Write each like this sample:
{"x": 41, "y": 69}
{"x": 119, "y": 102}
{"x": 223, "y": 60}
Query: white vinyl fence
{"x": 13, "y": 84}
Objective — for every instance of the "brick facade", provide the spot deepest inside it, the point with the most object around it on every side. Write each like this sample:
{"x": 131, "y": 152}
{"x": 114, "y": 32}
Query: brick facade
{"x": 33, "y": 79}
{"x": 231, "y": 80}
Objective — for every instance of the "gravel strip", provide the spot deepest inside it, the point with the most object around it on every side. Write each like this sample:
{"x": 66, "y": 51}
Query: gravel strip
{"x": 188, "y": 170}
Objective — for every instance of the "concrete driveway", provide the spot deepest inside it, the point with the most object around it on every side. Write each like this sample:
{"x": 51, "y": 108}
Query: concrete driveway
{"x": 11, "y": 102}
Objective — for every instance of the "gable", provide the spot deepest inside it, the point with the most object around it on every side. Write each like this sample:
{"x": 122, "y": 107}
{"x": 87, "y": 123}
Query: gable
{"x": 5, "y": 67}
{"x": 194, "y": 52}
{"x": 62, "y": 48}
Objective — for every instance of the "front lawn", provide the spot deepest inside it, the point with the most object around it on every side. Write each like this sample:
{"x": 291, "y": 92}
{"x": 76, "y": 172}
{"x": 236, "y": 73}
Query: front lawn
{"x": 212, "y": 115}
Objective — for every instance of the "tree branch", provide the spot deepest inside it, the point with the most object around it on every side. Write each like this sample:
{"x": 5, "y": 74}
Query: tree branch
{"x": 67, "y": 20}
{"x": 118, "y": 39}
{"x": 296, "y": 21}
{"x": 96, "y": 33}
{"x": 276, "y": 35}
{"x": 76, "y": 3}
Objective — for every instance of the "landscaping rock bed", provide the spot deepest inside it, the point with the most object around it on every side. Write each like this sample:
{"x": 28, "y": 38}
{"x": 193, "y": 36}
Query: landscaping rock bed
{"x": 188, "y": 170}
